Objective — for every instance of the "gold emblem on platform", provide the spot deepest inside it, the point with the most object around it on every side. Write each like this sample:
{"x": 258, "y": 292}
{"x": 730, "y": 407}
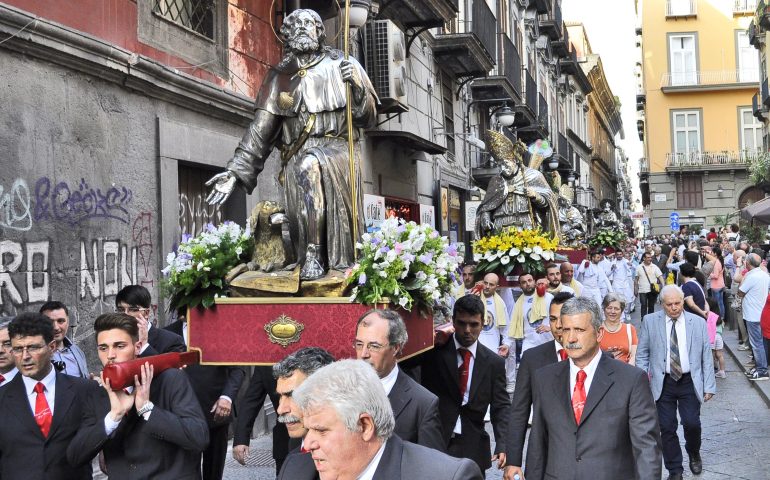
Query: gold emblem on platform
{"x": 284, "y": 330}
{"x": 285, "y": 100}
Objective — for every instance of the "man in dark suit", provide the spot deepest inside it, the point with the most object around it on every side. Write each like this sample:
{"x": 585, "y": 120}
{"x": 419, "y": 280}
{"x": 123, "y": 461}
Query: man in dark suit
{"x": 468, "y": 378}
{"x": 350, "y": 425}
{"x": 135, "y": 300}
{"x": 594, "y": 417}
{"x": 261, "y": 385}
{"x": 531, "y": 361}
{"x": 216, "y": 387}
{"x": 40, "y": 409}
{"x": 155, "y": 429}
{"x": 380, "y": 339}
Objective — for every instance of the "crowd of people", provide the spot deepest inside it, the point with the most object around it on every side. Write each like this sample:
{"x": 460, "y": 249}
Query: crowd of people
{"x": 557, "y": 357}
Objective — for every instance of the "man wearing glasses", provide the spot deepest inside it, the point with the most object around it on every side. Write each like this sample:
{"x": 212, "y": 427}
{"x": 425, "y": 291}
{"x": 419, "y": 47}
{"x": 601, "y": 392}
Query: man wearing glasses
{"x": 68, "y": 356}
{"x": 8, "y": 368}
{"x": 40, "y": 409}
{"x": 380, "y": 338}
{"x": 135, "y": 300}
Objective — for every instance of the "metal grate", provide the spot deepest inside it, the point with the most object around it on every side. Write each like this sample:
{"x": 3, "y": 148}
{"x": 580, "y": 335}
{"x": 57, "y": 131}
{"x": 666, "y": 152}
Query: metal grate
{"x": 377, "y": 57}
{"x": 197, "y": 15}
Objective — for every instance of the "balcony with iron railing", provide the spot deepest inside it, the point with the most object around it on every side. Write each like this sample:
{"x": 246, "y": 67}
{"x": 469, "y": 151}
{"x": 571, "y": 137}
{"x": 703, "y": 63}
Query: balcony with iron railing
{"x": 542, "y": 112}
{"x": 681, "y": 8}
{"x": 721, "y": 160}
{"x": 467, "y": 47}
{"x": 504, "y": 80}
{"x": 744, "y": 6}
{"x": 551, "y": 24}
{"x": 709, "y": 80}
{"x": 765, "y": 92}
{"x": 757, "y": 108}
{"x": 527, "y": 111}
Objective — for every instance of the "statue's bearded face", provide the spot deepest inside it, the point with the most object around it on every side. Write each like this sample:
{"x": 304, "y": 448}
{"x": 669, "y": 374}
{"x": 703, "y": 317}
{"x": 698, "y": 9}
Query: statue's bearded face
{"x": 507, "y": 168}
{"x": 303, "y": 36}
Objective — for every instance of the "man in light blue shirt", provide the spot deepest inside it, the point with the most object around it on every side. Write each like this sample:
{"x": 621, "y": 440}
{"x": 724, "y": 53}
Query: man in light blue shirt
{"x": 68, "y": 357}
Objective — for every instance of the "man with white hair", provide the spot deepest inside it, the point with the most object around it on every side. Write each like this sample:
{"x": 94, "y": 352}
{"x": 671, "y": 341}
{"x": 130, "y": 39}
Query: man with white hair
{"x": 350, "y": 424}
{"x": 753, "y": 294}
{"x": 675, "y": 352}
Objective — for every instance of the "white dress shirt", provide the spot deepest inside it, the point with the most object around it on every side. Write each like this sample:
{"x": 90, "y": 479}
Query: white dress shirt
{"x": 368, "y": 473}
{"x": 458, "y": 424}
{"x": 681, "y": 338}
{"x": 590, "y": 369}
{"x": 389, "y": 380}
{"x": 49, "y": 382}
{"x": 9, "y": 376}
{"x": 558, "y": 348}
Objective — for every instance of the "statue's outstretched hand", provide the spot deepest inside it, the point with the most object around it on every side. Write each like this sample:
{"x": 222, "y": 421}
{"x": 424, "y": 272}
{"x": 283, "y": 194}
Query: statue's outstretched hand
{"x": 350, "y": 74}
{"x": 531, "y": 193}
{"x": 224, "y": 183}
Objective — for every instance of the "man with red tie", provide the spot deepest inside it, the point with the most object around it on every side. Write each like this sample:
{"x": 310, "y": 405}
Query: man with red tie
{"x": 532, "y": 360}
{"x": 594, "y": 417}
{"x": 468, "y": 378}
{"x": 40, "y": 409}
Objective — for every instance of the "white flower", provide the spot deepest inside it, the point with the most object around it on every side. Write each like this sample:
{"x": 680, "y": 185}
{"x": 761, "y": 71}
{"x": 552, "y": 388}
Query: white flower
{"x": 383, "y": 274}
{"x": 403, "y": 301}
{"x": 534, "y": 256}
{"x": 170, "y": 258}
{"x": 200, "y": 266}
{"x": 514, "y": 252}
{"x": 547, "y": 255}
{"x": 505, "y": 259}
{"x": 238, "y": 251}
{"x": 477, "y": 256}
{"x": 521, "y": 258}
{"x": 527, "y": 250}
{"x": 538, "y": 249}
{"x": 421, "y": 275}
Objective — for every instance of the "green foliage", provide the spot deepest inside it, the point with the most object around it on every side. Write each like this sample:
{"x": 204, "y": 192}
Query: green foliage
{"x": 759, "y": 168}
{"x": 608, "y": 238}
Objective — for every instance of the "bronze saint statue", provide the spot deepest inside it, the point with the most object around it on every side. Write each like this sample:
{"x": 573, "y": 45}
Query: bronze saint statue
{"x": 300, "y": 109}
{"x": 520, "y": 196}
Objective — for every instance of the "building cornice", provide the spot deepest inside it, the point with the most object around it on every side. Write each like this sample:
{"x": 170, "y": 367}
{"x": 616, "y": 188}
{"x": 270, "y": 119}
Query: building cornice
{"x": 46, "y": 40}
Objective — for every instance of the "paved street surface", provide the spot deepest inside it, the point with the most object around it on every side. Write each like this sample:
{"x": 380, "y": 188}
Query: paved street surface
{"x": 736, "y": 432}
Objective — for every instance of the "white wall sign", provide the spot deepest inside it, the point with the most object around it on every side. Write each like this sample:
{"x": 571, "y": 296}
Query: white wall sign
{"x": 427, "y": 215}
{"x": 470, "y": 215}
{"x": 374, "y": 212}
{"x": 660, "y": 197}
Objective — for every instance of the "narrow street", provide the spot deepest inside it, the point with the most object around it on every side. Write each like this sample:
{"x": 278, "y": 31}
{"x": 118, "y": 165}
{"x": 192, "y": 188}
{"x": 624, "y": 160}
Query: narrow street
{"x": 736, "y": 426}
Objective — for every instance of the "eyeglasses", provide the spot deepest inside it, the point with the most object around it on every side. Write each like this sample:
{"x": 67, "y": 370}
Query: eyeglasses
{"x": 32, "y": 349}
{"x": 372, "y": 347}
{"x": 131, "y": 309}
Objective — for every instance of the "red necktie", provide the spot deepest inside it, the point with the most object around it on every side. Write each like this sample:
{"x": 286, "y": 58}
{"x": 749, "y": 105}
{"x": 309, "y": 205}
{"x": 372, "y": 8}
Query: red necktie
{"x": 464, "y": 370}
{"x": 302, "y": 449}
{"x": 43, "y": 415}
{"x": 563, "y": 354}
{"x": 579, "y": 396}
{"x": 2, "y": 378}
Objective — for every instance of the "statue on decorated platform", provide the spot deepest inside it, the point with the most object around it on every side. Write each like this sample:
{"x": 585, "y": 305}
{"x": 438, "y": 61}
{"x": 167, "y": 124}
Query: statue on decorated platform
{"x": 520, "y": 196}
{"x": 301, "y": 110}
{"x": 607, "y": 219}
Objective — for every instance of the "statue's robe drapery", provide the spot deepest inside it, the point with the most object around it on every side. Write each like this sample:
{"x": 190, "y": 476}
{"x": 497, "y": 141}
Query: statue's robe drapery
{"x": 289, "y": 97}
{"x": 507, "y": 203}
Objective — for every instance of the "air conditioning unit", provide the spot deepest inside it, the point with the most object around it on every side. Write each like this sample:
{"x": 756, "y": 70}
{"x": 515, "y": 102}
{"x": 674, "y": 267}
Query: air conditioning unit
{"x": 386, "y": 65}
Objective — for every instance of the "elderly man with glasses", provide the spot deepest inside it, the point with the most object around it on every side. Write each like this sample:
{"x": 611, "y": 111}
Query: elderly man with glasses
{"x": 135, "y": 300}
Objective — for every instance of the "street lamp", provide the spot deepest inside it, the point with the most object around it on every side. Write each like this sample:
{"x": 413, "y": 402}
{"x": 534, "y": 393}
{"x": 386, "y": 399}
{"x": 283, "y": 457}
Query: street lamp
{"x": 720, "y": 190}
{"x": 359, "y": 12}
{"x": 571, "y": 177}
{"x": 553, "y": 163}
{"x": 506, "y": 116}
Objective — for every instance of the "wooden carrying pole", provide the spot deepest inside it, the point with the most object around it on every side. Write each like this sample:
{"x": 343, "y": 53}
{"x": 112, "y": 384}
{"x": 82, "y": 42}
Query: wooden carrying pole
{"x": 351, "y": 152}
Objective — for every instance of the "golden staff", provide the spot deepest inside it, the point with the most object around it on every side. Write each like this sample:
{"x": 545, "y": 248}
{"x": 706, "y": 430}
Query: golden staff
{"x": 351, "y": 153}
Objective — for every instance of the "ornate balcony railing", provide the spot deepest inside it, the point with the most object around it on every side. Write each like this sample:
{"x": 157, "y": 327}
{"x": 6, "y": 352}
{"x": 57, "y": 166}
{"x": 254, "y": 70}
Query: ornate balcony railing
{"x": 712, "y": 77}
{"x": 711, "y": 159}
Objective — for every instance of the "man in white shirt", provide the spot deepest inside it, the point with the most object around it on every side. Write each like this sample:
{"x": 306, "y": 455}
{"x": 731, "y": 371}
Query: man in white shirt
{"x": 350, "y": 431}
{"x": 753, "y": 294}
{"x": 380, "y": 339}
{"x": 529, "y": 324}
{"x": 495, "y": 315}
{"x": 8, "y": 368}
{"x": 593, "y": 278}
{"x": 622, "y": 278}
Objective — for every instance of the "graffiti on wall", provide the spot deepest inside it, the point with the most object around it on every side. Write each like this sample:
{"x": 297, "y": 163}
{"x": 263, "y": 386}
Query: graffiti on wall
{"x": 73, "y": 205}
{"x": 29, "y": 264}
{"x": 15, "y": 207}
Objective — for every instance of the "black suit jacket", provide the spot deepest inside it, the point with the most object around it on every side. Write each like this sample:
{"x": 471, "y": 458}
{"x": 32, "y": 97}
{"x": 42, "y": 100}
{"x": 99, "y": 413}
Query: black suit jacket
{"x": 24, "y": 453}
{"x": 440, "y": 375}
{"x": 618, "y": 435}
{"x": 416, "y": 412}
{"x": 167, "y": 446}
{"x": 400, "y": 461}
{"x": 210, "y": 382}
{"x": 163, "y": 341}
{"x": 531, "y": 361}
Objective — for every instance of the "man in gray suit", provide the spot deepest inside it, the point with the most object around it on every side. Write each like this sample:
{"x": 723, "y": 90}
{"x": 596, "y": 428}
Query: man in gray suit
{"x": 380, "y": 339}
{"x": 674, "y": 350}
{"x": 594, "y": 417}
{"x": 350, "y": 431}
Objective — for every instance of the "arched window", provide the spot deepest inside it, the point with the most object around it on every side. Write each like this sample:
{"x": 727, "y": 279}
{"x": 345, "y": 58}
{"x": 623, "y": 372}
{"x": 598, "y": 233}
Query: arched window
{"x": 749, "y": 196}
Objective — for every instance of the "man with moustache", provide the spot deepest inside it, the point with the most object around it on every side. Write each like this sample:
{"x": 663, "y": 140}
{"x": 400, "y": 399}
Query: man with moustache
{"x": 567, "y": 271}
{"x": 155, "y": 429}
{"x": 40, "y": 409}
{"x": 532, "y": 360}
{"x": 290, "y": 373}
{"x": 67, "y": 354}
{"x": 468, "y": 378}
{"x": 469, "y": 280}
{"x": 8, "y": 368}
{"x": 380, "y": 339}
{"x": 594, "y": 417}
{"x": 350, "y": 431}
{"x": 528, "y": 326}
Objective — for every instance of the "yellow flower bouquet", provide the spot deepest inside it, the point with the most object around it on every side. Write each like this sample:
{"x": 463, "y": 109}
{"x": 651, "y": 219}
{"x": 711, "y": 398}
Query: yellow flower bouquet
{"x": 512, "y": 247}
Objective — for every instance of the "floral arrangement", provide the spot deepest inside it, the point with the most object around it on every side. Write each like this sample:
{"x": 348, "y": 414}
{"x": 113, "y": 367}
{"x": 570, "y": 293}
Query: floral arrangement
{"x": 405, "y": 262}
{"x": 514, "y": 247}
{"x": 195, "y": 272}
{"x": 608, "y": 238}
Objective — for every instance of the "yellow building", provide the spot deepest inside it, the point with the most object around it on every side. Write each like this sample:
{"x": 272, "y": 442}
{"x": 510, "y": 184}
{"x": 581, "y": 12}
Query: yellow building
{"x": 699, "y": 73}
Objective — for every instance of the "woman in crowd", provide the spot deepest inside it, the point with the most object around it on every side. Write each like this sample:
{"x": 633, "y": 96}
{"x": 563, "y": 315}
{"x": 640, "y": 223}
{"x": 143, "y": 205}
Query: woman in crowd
{"x": 619, "y": 338}
{"x": 717, "y": 277}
